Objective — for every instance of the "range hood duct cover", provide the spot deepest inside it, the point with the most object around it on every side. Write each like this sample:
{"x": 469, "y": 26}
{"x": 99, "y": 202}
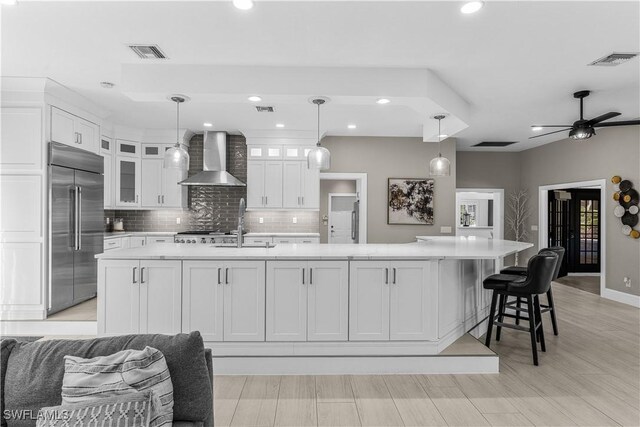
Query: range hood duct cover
{"x": 214, "y": 158}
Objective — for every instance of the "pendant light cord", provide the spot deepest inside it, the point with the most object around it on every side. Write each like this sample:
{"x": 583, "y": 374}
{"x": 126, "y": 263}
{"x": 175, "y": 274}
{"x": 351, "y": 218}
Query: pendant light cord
{"x": 178, "y": 124}
{"x": 439, "y": 139}
{"x": 318, "y": 143}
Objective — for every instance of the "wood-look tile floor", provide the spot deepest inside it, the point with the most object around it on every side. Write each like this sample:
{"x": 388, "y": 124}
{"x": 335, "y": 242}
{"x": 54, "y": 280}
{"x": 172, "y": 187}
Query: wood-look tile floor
{"x": 589, "y": 376}
{"x": 86, "y": 310}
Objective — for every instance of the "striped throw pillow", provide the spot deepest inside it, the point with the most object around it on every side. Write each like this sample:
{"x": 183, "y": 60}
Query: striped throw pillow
{"x": 121, "y": 373}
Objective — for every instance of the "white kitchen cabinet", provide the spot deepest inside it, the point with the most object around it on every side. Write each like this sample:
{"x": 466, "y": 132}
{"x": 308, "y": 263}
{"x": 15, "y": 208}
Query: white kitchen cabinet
{"x": 160, "y": 297}
{"x": 224, "y": 300}
{"x": 137, "y": 241}
{"x": 159, "y": 186}
{"x": 412, "y": 300}
{"x": 280, "y": 239}
{"x": 139, "y": 297}
{"x": 106, "y": 149}
{"x": 264, "y": 184}
{"x": 392, "y": 301}
{"x": 305, "y": 240}
{"x": 203, "y": 299}
{"x": 328, "y": 301}
{"x": 286, "y": 301}
{"x": 257, "y": 240}
{"x": 151, "y": 183}
{"x": 75, "y": 131}
{"x": 244, "y": 300}
{"x": 301, "y": 186}
{"x": 152, "y": 240}
{"x": 264, "y": 152}
{"x": 368, "y": 301}
{"x": 127, "y": 181}
{"x": 307, "y": 301}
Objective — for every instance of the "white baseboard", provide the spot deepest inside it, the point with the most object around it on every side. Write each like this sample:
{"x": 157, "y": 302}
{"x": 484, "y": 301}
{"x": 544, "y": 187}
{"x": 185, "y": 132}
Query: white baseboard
{"x": 356, "y": 365}
{"x": 48, "y": 327}
{"x": 632, "y": 300}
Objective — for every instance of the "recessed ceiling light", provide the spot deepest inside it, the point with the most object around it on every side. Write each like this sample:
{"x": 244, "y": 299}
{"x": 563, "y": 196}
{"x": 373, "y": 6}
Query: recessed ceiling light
{"x": 536, "y": 128}
{"x": 107, "y": 85}
{"x": 351, "y": 126}
{"x": 9, "y": 2}
{"x": 243, "y": 4}
{"x": 279, "y": 125}
{"x": 472, "y": 6}
{"x": 383, "y": 101}
{"x": 254, "y": 98}
{"x": 207, "y": 125}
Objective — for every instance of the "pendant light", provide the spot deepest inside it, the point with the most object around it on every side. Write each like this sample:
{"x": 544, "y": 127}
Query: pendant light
{"x": 439, "y": 166}
{"x": 319, "y": 157}
{"x": 177, "y": 157}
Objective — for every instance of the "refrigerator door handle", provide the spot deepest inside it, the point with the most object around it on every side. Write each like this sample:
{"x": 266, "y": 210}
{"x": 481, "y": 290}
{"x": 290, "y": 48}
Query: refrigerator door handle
{"x": 76, "y": 218}
{"x": 79, "y": 220}
{"x": 353, "y": 225}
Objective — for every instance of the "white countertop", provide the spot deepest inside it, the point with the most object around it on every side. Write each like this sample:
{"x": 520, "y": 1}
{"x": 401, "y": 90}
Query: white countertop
{"x": 426, "y": 247}
{"x": 115, "y": 234}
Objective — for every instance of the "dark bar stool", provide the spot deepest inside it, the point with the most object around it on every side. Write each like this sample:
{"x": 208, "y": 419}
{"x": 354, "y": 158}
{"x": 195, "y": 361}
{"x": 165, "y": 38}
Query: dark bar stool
{"x": 522, "y": 271}
{"x": 541, "y": 268}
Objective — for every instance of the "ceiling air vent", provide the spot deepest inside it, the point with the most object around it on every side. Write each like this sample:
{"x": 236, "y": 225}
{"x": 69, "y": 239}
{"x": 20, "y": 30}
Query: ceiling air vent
{"x": 151, "y": 51}
{"x": 613, "y": 59}
{"x": 263, "y": 109}
{"x": 494, "y": 143}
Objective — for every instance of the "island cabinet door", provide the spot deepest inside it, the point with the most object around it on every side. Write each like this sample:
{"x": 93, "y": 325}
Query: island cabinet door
{"x": 160, "y": 297}
{"x": 369, "y": 301}
{"x": 244, "y": 300}
{"x": 287, "y": 283}
{"x": 413, "y": 300}
{"x": 328, "y": 301}
{"x": 203, "y": 299}
{"x": 118, "y": 297}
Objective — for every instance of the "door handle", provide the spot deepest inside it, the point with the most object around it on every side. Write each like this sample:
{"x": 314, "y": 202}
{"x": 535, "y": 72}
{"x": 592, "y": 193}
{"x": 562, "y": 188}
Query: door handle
{"x": 134, "y": 274}
{"x": 158, "y": 199}
{"x": 226, "y": 276}
{"x": 310, "y": 276}
{"x": 394, "y": 275}
{"x": 266, "y": 200}
{"x": 386, "y": 276}
{"x": 219, "y": 279}
{"x": 142, "y": 274}
{"x": 136, "y": 198}
{"x": 75, "y": 218}
{"x": 163, "y": 199}
{"x": 80, "y": 137}
{"x": 303, "y": 276}
{"x": 302, "y": 197}
{"x": 299, "y": 201}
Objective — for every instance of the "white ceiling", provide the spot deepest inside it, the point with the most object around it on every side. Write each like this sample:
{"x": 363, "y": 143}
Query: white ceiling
{"x": 510, "y": 65}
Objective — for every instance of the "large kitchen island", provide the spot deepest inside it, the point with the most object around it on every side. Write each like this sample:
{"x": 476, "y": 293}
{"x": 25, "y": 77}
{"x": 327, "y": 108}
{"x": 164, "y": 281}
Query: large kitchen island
{"x": 309, "y": 309}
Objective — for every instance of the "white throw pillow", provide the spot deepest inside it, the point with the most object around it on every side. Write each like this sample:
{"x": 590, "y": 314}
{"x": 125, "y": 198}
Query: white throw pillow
{"x": 121, "y": 373}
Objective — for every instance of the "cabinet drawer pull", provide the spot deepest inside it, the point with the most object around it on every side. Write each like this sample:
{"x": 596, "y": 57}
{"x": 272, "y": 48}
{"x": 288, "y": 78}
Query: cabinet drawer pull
{"x": 266, "y": 200}
{"x": 386, "y": 276}
{"x": 142, "y": 275}
{"x": 158, "y": 199}
{"x": 302, "y": 200}
{"x": 394, "y": 275}
{"x": 226, "y": 276}
{"x": 219, "y": 279}
{"x": 163, "y": 199}
{"x": 303, "y": 276}
{"x": 134, "y": 274}
{"x": 310, "y": 276}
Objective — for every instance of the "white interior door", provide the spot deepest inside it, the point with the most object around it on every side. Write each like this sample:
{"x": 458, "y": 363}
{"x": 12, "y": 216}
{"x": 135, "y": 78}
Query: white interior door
{"x": 341, "y": 218}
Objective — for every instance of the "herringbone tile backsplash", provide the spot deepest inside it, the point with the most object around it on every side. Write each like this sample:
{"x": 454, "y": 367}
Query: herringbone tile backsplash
{"x": 216, "y": 208}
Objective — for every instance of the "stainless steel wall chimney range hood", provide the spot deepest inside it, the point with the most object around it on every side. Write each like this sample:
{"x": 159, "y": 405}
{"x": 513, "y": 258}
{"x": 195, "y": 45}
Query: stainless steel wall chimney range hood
{"x": 214, "y": 157}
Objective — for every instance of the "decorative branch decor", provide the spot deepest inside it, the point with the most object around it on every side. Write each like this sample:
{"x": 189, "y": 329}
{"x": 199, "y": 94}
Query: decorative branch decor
{"x": 518, "y": 214}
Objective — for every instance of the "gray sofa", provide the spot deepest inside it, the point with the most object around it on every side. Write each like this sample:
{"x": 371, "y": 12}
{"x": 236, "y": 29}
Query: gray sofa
{"x": 32, "y": 373}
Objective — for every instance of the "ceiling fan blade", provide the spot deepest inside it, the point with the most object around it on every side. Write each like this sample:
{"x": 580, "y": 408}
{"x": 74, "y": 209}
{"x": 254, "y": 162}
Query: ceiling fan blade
{"x": 550, "y": 126}
{"x": 622, "y": 123}
{"x": 550, "y": 133}
{"x": 602, "y": 118}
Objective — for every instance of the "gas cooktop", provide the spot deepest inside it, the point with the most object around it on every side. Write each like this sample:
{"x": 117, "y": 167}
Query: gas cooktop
{"x": 206, "y": 233}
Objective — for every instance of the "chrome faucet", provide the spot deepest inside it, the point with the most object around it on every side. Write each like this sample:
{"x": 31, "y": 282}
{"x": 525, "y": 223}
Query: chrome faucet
{"x": 241, "y": 210}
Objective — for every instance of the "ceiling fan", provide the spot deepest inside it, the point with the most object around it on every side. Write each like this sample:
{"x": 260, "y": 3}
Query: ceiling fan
{"x": 584, "y": 129}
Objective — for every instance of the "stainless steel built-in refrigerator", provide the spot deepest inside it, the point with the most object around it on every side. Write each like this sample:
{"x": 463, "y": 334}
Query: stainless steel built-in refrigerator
{"x": 76, "y": 211}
